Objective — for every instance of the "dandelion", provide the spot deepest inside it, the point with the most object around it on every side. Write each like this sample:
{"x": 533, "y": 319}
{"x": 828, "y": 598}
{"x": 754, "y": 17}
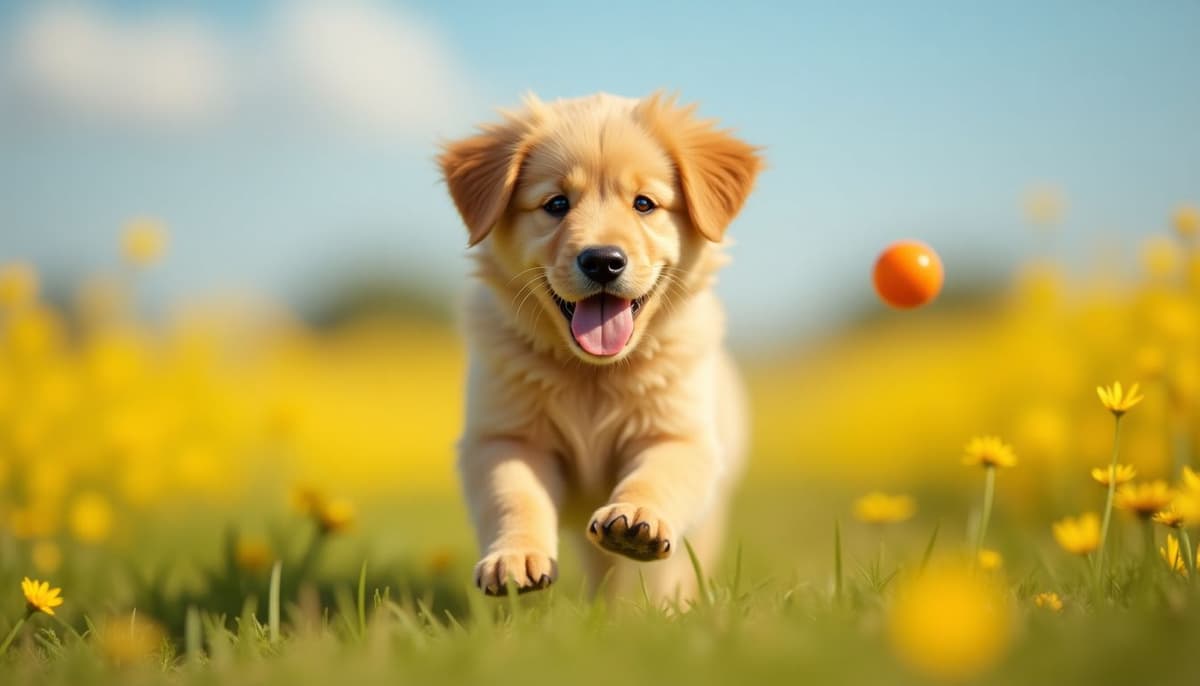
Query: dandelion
{"x": 1078, "y": 535}
{"x": 988, "y": 452}
{"x": 1144, "y": 499}
{"x": 949, "y": 624}
{"x": 253, "y": 555}
{"x": 1169, "y": 517}
{"x": 989, "y": 560}
{"x": 1048, "y": 601}
{"x": 881, "y": 508}
{"x": 1118, "y": 402}
{"x": 1118, "y": 474}
{"x": 143, "y": 242}
{"x": 335, "y": 516}
{"x": 1172, "y": 554}
{"x": 39, "y": 597}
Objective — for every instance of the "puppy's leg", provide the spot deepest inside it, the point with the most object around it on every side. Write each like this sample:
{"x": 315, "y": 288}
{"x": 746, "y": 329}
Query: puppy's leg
{"x": 514, "y": 492}
{"x": 665, "y": 488}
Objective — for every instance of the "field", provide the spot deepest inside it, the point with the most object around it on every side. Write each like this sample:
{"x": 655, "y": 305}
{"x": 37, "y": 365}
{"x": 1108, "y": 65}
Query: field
{"x": 226, "y": 494}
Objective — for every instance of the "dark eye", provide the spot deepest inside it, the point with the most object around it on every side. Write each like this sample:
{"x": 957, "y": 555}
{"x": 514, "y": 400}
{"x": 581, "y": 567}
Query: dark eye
{"x": 557, "y": 206}
{"x": 643, "y": 204}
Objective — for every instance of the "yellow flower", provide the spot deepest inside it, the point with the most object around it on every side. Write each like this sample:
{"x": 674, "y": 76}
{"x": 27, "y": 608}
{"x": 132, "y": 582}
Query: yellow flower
{"x": 335, "y": 515}
{"x": 39, "y": 597}
{"x": 989, "y": 451}
{"x": 990, "y": 560}
{"x": 1123, "y": 474}
{"x": 1187, "y": 506}
{"x": 1144, "y": 499}
{"x": 18, "y": 284}
{"x": 253, "y": 554}
{"x": 91, "y": 518}
{"x": 143, "y": 242}
{"x": 1187, "y": 221}
{"x": 1169, "y": 517}
{"x": 1173, "y": 555}
{"x": 881, "y": 508}
{"x": 949, "y": 624}
{"x": 1191, "y": 480}
{"x": 1080, "y": 535}
{"x": 1116, "y": 401}
{"x": 1048, "y": 601}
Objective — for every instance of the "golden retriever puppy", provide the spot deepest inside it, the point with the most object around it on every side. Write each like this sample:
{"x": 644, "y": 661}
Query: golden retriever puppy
{"x": 599, "y": 392}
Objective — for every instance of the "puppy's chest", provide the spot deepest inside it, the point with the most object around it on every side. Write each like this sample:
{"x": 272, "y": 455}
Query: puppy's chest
{"x": 593, "y": 426}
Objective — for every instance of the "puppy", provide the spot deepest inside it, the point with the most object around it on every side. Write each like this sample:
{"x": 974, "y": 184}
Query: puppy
{"x": 599, "y": 392}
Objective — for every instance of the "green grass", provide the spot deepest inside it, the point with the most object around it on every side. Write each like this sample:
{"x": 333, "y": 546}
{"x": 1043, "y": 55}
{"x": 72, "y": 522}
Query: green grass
{"x": 373, "y": 611}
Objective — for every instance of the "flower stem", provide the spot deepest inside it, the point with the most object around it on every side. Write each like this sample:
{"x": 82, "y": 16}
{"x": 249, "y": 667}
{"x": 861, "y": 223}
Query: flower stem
{"x": 989, "y": 493}
{"x": 1112, "y": 489}
{"x": 1188, "y": 555}
{"x": 13, "y": 634}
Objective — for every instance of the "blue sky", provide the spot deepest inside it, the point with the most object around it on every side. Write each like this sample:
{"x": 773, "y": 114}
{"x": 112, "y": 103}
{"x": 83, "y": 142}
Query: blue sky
{"x": 880, "y": 121}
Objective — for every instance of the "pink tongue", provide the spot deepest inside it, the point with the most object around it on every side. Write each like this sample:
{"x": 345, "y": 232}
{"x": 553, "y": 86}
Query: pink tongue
{"x": 602, "y": 324}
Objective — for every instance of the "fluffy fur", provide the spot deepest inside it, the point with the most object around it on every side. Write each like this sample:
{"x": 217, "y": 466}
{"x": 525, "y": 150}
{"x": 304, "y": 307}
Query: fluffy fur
{"x": 635, "y": 450}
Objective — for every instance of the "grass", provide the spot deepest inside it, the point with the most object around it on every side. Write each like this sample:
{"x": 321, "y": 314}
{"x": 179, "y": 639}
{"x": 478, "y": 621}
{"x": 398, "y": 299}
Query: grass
{"x": 776, "y": 609}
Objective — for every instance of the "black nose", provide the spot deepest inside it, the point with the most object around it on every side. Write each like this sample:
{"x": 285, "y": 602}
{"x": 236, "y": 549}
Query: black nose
{"x": 602, "y": 264}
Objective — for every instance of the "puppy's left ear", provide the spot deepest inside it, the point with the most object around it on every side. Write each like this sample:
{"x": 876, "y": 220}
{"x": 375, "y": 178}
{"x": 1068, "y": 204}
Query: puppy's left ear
{"x": 716, "y": 169}
{"x": 481, "y": 172}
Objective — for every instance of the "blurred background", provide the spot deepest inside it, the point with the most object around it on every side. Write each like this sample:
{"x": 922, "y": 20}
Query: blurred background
{"x": 230, "y": 271}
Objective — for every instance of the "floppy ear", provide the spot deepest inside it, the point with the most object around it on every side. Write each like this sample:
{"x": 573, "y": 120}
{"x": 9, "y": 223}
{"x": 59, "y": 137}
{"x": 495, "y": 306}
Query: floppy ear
{"x": 481, "y": 172}
{"x": 716, "y": 170}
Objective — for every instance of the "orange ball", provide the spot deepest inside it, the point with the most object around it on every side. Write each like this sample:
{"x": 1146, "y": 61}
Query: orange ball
{"x": 908, "y": 274}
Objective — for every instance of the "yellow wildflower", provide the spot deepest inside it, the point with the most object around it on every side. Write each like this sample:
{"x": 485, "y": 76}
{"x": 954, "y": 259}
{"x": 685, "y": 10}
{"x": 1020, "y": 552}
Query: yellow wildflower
{"x": 1187, "y": 221}
{"x": 335, "y": 515}
{"x": 39, "y": 597}
{"x": 143, "y": 242}
{"x": 1144, "y": 499}
{"x": 253, "y": 554}
{"x": 881, "y": 508}
{"x": 1187, "y": 506}
{"x": 1173, "y": 555}
{"x": 1121, "y": 474}
{"x": 1048, "y": 601}
{"x": 1170, "y": 517}
{"x": 1191, "y": 480}
{"x": 18, "y": 284}
{"x": 1117, "y": 401}
{"x": 989, "y": 451}
{"x": 990, "y": 560}
{"x": 949, "y": 624}
{"x": 1079, "y": 535}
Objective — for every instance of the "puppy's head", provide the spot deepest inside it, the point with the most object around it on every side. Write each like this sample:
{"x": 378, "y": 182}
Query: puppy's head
{"x": 600, "y": 209}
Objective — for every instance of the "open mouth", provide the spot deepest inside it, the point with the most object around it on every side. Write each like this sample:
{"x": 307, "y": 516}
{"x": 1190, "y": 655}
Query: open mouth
{"x": 601, "y": 324}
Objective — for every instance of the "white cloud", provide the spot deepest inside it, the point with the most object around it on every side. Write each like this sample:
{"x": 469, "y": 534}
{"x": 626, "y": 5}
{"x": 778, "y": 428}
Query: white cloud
{"x": 355, "y": 65}
{"x": 368, "y": 66}
{"x": 162, "y": 70}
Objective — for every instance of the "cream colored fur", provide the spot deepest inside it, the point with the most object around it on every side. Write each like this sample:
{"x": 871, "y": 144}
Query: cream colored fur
{"x": 635, "y": 451}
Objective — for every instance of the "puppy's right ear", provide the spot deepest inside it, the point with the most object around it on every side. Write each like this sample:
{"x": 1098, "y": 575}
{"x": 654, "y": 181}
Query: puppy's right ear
{"x": 481, "y": 172}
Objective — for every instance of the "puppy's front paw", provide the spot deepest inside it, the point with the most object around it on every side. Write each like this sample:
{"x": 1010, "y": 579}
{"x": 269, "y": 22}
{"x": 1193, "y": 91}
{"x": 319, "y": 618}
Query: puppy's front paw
{"x": 528, "y": 569}
{"x": 633, "y": 531}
